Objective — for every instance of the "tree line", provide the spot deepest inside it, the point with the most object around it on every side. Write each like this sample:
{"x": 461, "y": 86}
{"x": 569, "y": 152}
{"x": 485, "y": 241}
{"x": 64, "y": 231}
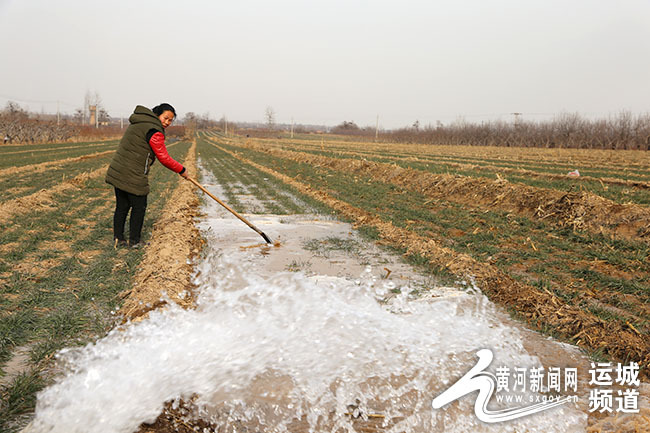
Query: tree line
{"x": 17, "y": 126}
{"x": 568, "y": 130}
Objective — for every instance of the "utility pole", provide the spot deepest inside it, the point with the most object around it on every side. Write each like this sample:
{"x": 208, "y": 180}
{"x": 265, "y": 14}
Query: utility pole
{"x": 226, "y": 121}
{"x": 292, "y": 127}
{"x": 121, "y": 122}
{"x": 58, "y": 114}
{"x": 377, "y": 129}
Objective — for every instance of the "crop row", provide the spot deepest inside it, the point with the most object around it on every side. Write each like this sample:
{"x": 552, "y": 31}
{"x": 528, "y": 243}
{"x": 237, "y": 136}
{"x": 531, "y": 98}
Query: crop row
{"x": 33, "y": 154}
{"x": 581, "y": 210}
{"x": 593, "y": 178}
{"x": 605, "y": 281}
{"x": 23, "y": 184}
{"x": 631, "y": 166}
{"x": 45, "y": 175}
{"x": 504, "y": 237}
{"x": 607, "y": 187}
{"x": 553, "y": 156}
{"x": 238, "y": 181}
{"x": 60, "y": 277}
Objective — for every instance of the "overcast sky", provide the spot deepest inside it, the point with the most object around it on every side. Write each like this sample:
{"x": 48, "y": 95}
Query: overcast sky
{"x": 322, "y": 62}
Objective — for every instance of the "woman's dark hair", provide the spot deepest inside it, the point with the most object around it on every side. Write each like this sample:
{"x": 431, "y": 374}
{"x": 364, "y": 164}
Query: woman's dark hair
{"x": 160, "y": 109}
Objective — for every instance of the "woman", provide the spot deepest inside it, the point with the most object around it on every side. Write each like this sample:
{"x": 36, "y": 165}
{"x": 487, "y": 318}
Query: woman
{"x": 142, "y": 143}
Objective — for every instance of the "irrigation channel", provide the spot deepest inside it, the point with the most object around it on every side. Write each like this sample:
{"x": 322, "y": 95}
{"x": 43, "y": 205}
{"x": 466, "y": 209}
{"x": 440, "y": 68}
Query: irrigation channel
{"x": 326, "y": 332}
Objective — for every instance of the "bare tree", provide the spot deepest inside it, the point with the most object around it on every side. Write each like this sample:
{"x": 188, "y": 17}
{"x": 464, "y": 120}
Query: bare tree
{"x": 347, "y": 128}
{"x": 191, "y": 123}
{"x": 104, "y": 117}
{"x": 13, "y": 109}
{"x": 79, "y": 116}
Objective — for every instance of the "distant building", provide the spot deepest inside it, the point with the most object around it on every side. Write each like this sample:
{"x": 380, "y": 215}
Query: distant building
{"x": 93, "y": 114}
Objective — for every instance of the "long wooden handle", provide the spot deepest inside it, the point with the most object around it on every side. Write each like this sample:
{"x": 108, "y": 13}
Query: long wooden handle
{"x": 261, "y": 233}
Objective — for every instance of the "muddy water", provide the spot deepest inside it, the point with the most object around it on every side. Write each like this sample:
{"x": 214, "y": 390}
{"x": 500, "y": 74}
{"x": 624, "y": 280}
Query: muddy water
{"x": 329, "y": 255}
{"x": 322, "y": 333}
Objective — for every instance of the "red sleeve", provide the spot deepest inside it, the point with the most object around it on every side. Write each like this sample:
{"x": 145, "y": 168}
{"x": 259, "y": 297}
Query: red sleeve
{"x": 157, "y": 143}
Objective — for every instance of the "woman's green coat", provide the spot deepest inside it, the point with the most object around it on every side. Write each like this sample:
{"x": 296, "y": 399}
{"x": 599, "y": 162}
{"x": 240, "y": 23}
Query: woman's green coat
{"x": 129, "y": 168}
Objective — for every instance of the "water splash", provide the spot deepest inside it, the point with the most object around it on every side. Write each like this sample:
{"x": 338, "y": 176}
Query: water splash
{"x": 268, "y": 350}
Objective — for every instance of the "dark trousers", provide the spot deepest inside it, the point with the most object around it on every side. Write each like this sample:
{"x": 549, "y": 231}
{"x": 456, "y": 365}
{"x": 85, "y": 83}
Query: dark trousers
{"x": 124, "y": 202}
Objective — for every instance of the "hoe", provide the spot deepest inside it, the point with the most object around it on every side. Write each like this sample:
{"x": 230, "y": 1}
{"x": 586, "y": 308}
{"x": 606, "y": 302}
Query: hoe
{"x": 260, "y": 232}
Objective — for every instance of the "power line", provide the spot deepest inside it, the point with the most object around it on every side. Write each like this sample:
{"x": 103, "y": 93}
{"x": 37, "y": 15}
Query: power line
{"x": 31, "y": 101}
{"x": 57, "y": 102}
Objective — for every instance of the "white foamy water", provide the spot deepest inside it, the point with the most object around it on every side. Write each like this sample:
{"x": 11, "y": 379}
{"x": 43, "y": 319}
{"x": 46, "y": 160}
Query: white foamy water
{"x": 264, "y": 349}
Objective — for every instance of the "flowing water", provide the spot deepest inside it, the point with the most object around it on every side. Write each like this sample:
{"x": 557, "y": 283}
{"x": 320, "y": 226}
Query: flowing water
{"x": 291, "y": 338}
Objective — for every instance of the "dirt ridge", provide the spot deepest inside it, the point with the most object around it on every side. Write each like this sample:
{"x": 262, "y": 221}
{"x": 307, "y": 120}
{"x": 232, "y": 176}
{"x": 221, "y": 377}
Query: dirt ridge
{"x": 44, "y": 199}
{"x": 174, "y": 240}
{"x": 38, "y": 168}
{"x": 55, "y": 149}
{"x": 517, "y": 171}
{"x": 594, "y": 158}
